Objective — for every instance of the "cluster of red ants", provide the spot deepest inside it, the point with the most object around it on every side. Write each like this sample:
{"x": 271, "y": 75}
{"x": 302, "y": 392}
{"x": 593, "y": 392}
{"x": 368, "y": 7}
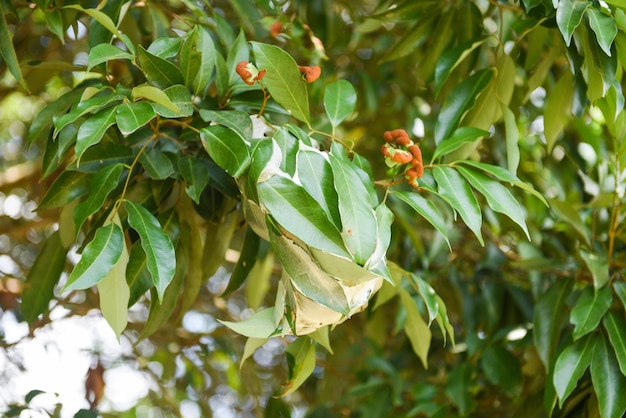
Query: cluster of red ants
{"x": 399, "y": 150}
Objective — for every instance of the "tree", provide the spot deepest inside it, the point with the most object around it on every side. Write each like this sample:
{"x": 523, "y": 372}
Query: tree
{"x": 263, "y": 148}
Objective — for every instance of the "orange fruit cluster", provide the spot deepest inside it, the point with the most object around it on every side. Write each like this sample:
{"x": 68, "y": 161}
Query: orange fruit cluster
{"x": 399, "y": 149}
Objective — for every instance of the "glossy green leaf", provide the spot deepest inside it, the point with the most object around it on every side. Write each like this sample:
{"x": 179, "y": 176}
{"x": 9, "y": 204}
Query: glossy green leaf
{"x": 609, "y": 383}
{"x": 191, "y": 56}
{"x": 501, "y": 368}
{"x": 377, "y": 262}
{"x": 288, "y": 145}
{"x": 604, "y": 27}
{"x": 56, "y": 152}
{"x": 115, "y": 293}
{"x": 296, "y": 211}
{"x": 499, "y": 198}
{"x": 569, "y": 14}
{"x": 165, "y": 47}
{"x": 260, "y": 325}
{"x": 570, "y": 367}
{"x": 512, "y": 139}
{"x": 339, "y": 101}
{"x": 557, "y": 109}
{"x": 620, "y": 291}
{"x": 156, "y": 244}
{"x": 195, "y": 172}
{"x": 316, "y": 176}
{"x": 105, "y": 53}
{"x": 505, "y": 175}
{"x": 102, "y": 183}
{"x": 283, "y": 79}
{"x": 226, "y": 148}
{"x": 92, "y": 104}
{"x": 589, "y": 310}
{"x": 301, "y": 363}
{"x": 180, "y": 97}
{"x": 598, "y": 266}
{"x": 68, "y": 186}
{"x": 455, "y": 190}
{"x": 7, "y": 51}
{"x": 615, "y": 326}
{"x": 98, "y": 258}
{"x": 549, "y": 314}
{"x": 450, "y": 59}
{"x": 307, "y": 276}
{"x": 132, "y": 116}
{"x": 93, "y": 129}
{"x": 426, "y": 209}
{"x": 156, "y": 164}
{"x": 416, "y": 328}
{"x": 159, "y": 71}
{"x": 459, "y": 102}
{"x": 42, "y": 278}
{"x": 236, "y": 120}
{"x": 461, "y": 136}
{"x": 154, "y": 94}
{"x": 357, "y": 215}
{"x": 208, "y": 61}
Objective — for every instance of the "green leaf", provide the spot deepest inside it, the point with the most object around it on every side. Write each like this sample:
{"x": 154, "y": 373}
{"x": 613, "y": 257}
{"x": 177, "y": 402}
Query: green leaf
{"x": 247, "y": 258}
{"x": 339, "y": 101}
{"x": 307, "y": 277}
{"x": 180, "y": 97}
{"x": 236, "y": 120}
{"x": 93, "y": 129}
{"x": 93, "y": 104}
{"x": 165, "y": 47}
{"x": 358, "y": 220}
{"x": 608, "y": 382}
{"x": 428, "y": 295}
{"x": 104, "y": 53}
{"x": 132, "y": 116}
{"x": 252, "y": 344}
{"x": 137, "y": 274}
{"x": 443, "y": 321}
{"x": 42, "y": 277}
{"x": 154, "y": 94}
{"x": 207, "y": 61}
{"x": 461, "y": 136}
{"x": 557, "y": 110}
{"x": 105, "y": 21}
{"x": 301, "y": 362}
{"x": 450, "y": 59}
{"x": 42, "y": 123}
{"x": 68, "y": 186}
{"x": 377, "y": 262}
{"x": 501, "y": 368}
{"x": 240, "y": 51}
{"x": 155, "y": 243}
{"x": 98, "y": 258}
{"x": 416, "y": 328}
{"x": 512, "y": 139}
{"x": 604, "y": 27}
{"x": 226, "y": 148}
{"x": 460, "y": 386}
{"x": 288, "y": 145}
{"x": 615, "y": 326}
{"x": 569, "y": 14}
{"x": 156, "y": 164}
{"x": 316, "y": 176}
{"x": 499, "y": 198}
{"x": 283, "y": 79}
{"x": 7, "y": 51}
{"x": 260, "y": 325}
{"x": 190, "y": 56}
{"x": 426, "y": 209}
{"x": 550, "y": 312}
{"x": 159, "y": 71}
{"x": 620, "y": 291}
{"x": 455, "y": 190}
{"x": 598, "y": 265}
{"x": 296, "y": 211}
{"x": 196, "y": 173}
{"x": 571, "y": 215}
{"x": 570, "y": 367}
{"x": 341, "y": 268}
{"x": 589, "y": 310}
{"x": 97, "y": 157}
{"x": 102, "y": 183}
{"x": 115, "y": 293}
{"x": 459, "y": 102}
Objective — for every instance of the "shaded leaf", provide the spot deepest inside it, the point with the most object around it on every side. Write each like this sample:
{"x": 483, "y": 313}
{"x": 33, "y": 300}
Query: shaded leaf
{"x": 132, "y": 116}
{"x": 549, "y": 314}
{"x": 570, "y": 367}
{"x": 502, "y": 368}
{"x": 104, "y": 53}
{"x": 589, "y": 310}
{"x": 416, "y": 328}
{"x": 598, "y": 265}
{"x": 226, "y": 148}
{"x": 247, "y": 258}
{"x": 105, "y": 21}
{"x": 571, "y": 215}
{"x": 512, "y": 139}
{"x": 156, "y": 164}
{"x": 236, "y": 120}
{"x": 137, "y": 274}
{"x": 615, "y": 326}
{"x": 7, "y": 51}
{"x": 196, "y": 173}
{"x": 557, "y": 109}
{"x": 93, "y": 104}
{"x": 301, "y": 363}
{"x": 68, "y": 186}
{"x": 93, "y": 129}
{"x": 42, "y": 277}
{"x": 461, "y": 136}
{"x": 426, "y": 209}
{"x": 159, "y": 71}
{"x": 450, "y": 59}
{"x": 608, "y": 382}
